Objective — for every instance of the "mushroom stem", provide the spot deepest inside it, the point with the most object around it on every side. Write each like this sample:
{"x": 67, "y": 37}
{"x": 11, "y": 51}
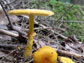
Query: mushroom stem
{"x": 31, "y": 34}
{"x": 28, "y": 47}
{"x": 31, "y": 23}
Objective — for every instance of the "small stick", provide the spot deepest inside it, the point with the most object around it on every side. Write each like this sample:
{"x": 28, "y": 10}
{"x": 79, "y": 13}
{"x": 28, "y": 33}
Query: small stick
{"x": 8, "y": 33}
{"x": 11, "y": 25}
{"x": 66, "y": 53}
{"x": 10, "y": 46}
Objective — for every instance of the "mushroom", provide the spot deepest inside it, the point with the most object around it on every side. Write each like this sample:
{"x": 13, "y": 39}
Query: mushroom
{"x": 65, "y": 59}
{"x": 31, "y": 13}
{"x": 45, "y": 54}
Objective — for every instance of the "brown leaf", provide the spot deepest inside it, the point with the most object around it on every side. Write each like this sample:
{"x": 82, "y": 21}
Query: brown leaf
{"x": 4, "y": 20}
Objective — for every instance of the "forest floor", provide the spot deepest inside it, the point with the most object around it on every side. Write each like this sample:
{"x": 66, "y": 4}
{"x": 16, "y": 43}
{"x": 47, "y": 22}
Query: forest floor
{"x": 13, "y": 34}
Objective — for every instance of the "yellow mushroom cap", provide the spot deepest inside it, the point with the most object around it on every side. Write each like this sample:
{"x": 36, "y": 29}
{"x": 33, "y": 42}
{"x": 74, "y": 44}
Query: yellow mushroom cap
{"x": 31, "y": 11}
{"x": 65, "y": 60}
{"x": 45, "y": 54}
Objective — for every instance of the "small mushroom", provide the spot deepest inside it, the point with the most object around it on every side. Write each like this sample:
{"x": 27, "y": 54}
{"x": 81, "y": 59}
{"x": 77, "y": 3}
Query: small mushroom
{"x": 65, "y": 59}
{"x": 45, "y": 54}
{"x": 31, "y": 13}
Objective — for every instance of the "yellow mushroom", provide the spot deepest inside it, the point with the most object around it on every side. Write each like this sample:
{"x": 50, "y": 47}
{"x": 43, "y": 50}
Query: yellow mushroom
{"x": 65, "y": 60}
{"x": 31, "y": 13}
{"x": 45, "y": 54}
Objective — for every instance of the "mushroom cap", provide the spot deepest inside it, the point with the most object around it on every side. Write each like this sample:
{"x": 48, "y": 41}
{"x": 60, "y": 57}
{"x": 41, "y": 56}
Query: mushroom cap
{"x": 65, "y": 60}
{"x": 31, "y": 12}
{"x": 45, "y": 54}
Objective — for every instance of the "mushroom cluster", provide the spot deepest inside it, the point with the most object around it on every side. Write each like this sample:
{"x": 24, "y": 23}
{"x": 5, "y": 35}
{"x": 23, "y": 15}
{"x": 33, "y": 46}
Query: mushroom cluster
{"x": 45, "y": 54}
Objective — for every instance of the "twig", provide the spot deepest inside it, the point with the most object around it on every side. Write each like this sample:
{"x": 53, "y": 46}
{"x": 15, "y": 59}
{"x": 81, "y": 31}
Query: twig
{"x": 8, "y": 33}
{"x": 47, "y": 28}
{"x": 10, "y": 46}
{"x": 11, "y": 25}
{"x": 11, "y": 2}
{"x": 64, "y": 21}
{"x": 72, "y": 21}
{"x": 66, "y": 53}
